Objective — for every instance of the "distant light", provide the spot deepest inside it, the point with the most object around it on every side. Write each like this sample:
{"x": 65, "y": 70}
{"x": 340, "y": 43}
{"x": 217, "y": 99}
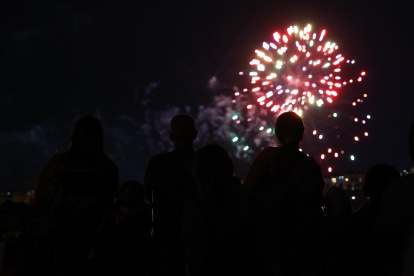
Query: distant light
{"x": 314, "y": 132}
{"x": 235, "y": 117}
{"x": 289, "y": 77}
{"x": 249, "y": 119}
{"x": 363, "y": 121}
{"x": 320, "y": 136}
{"x": 353, "y": 61}
{"x": 354, "y": 103}
{"x": 249, "y": 106}
{"x": 365, "y": 95}
{"x": 300, "y": 149}
{"x": 362, "y": 73}
{"x": 329, "y": 150}
{"x": 356, "y": 138}
{"x": 241, "y": 73}
{"x": 238, "y": 122}
{"x": 352, "y": 157}
{"x": 368, "y": 116}
{"x": 261, "y": 128}
{"x": 233, "y": 101}
{"x": 322, "y": 156}
{"x": 8, "y": 193}
{"x": 329, "y": 169}
{"x": 356, "y": 119}
{"x": 269, "y": 130}
{"x": 253, "y": 73}
{"x": 235, "y": 139}
{"x": 236, "y": 94}
{"x": 335, "y": 115}
{"x": 342, "y": 152}
{"x": 347, "y": 179}
{"x": 336, "y": 154}
{"x": 353, "y": 197}
{"x": 366, "y": 133}
{"x": 246, "y": 148}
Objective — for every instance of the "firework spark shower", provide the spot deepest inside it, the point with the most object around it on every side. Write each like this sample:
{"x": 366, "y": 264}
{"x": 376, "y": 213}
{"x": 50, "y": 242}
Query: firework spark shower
{"x": 299, "y": 70}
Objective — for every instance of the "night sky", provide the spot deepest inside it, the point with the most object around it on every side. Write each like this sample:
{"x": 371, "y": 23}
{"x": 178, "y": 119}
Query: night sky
{"x": 138, "y": 64}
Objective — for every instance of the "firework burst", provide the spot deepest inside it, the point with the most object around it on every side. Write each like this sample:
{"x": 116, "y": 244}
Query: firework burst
{"x": 296, "y": 71}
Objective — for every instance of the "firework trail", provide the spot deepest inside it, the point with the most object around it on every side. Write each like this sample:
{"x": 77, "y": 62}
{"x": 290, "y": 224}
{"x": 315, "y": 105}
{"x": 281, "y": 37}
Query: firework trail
{"x": 297, "y": 71}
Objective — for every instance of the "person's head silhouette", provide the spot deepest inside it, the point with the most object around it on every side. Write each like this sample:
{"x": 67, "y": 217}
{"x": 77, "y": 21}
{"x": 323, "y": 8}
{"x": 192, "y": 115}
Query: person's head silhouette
{"x": 131, "y": 194}
{"x": 212, "y": 166}
{"x": 289, "y": 129}
{"x": 87, "y": 136}
{"x": 182, "y": 131}
{"x": 377, "y": 178}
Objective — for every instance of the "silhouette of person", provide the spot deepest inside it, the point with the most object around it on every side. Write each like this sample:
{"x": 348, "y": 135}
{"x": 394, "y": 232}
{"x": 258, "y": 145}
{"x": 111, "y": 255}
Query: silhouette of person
{"x": 89, "y": 179}
{"x": 280, "y": 161}
{"x": 287, "y": 179}
{"x": 338, "y": 208}
{"x": 358, "y": 228}
{"x": 393, "y": 250}
{"x": 169, "y": 185}
{"x": 217, "y": 227}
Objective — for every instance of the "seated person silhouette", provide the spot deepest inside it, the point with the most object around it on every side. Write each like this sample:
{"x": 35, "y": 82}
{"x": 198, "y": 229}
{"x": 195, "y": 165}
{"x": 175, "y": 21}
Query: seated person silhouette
{"x": 292, "y": 184}
{"x": 131, "y": 246}
{"x": 169, "y": 185}
{"x": 217, "y": 227}
{"x": 393, "y": 249}
{"x": 77, "y": 187}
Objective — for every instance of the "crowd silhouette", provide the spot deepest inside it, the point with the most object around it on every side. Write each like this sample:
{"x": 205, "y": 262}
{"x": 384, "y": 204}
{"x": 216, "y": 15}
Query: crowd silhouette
{"x": 192, "y": 216}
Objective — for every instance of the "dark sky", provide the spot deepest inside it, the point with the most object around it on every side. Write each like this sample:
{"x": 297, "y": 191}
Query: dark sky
{"x": 138, "y": 64}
